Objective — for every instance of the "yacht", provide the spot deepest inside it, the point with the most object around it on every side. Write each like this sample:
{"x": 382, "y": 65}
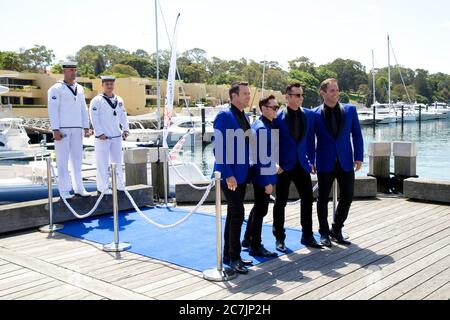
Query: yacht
{"x": 14, "y": 142}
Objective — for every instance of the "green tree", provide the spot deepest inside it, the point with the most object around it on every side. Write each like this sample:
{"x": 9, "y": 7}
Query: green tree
{"x": 350, "y": 73}
{"x": 344, "y": 97}
{"x": 57, "y": 69}
{"x": 37, "y": 58}
{"x": 122, "y": 71}
{"x": 142, "y": 65}
{"x": 423, "y": 84}
{"x": 310, "y": 86}
{"x": 11, "y": 61}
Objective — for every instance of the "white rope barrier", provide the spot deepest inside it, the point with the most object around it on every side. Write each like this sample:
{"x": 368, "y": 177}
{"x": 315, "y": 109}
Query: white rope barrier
{"x": 173, "y": 225}
{"x": 299, "y": 200}
{"x": 79, "y": 216}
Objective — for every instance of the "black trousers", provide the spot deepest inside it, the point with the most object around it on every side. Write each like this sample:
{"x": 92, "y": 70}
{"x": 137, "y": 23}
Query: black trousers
{"x": 302, "y": 181}
{"x": 346, "y": 182}
{"x": 255, "y": 220}
{"x": 233, "y": 223}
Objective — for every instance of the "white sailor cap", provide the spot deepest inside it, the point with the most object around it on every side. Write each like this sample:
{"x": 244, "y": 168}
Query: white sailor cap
{"x": 69, "y": 64}
{"x": 107, "y": 78}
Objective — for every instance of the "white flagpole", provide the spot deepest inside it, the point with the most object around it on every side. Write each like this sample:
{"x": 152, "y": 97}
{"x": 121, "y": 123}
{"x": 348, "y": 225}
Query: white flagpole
{"x": 168, "y": 108}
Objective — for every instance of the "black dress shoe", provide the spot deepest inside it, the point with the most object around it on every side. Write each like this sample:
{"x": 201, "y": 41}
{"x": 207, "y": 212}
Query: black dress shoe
{"x": 263, "y": 253}
{"x": 245, "y": 262}
{"x": 337, "y": 237}
{"x": 238, "y": 266}
{"x": 280, "y": 246}
{"x": 325, "y": 241}
{"x": 311, "y": 243}
{"x": 245, "y": 244}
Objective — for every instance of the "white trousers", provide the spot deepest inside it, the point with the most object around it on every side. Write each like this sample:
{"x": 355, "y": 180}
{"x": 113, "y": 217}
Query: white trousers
{"x": 107, "y": 152}
{"x": 69, "y": 151}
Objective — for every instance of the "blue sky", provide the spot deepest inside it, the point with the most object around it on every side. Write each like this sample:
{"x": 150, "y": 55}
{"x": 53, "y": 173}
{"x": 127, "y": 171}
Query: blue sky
{"x": 280, "y": 30}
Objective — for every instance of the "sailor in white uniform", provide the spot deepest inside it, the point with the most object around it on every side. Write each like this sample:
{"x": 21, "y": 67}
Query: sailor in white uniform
{"x": 69, "y": 120}
{"x": 109, "y": 119}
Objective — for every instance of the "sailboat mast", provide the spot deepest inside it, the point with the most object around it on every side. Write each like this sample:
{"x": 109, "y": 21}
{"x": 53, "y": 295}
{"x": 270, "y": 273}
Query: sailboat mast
{"x": 389, "y": 71}
{"x": 373, "y": 77}
{"x": 158, "y": 86}
{"x": 263, "y": 78}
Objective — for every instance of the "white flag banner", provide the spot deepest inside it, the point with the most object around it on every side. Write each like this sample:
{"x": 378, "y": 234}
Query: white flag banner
{"x": 170, "y": 93}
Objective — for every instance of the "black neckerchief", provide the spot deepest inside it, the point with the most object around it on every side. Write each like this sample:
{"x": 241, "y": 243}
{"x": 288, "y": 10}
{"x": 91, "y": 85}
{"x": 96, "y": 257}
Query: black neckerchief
{"x": 74, "y": 92}
{"x": 112, "y": 105}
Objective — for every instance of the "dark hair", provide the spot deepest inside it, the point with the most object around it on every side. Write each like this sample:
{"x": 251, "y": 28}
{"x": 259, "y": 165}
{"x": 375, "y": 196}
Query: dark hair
{"x": 236, "y": 87}
{"x": 293, "y": 85}
{"x": 264, "y": 102}
{"x": 325, "y": 83}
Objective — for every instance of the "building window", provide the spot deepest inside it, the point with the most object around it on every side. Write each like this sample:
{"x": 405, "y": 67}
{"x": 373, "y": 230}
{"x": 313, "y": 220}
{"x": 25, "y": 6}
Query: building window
{"x": 149, "y": 103}
{"x": 87, "y": 85}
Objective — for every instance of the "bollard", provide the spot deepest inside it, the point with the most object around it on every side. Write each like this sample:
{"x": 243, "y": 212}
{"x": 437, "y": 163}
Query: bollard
{"x": 135, "y": 161}
{"x": 115, "y": 246}
{"x": 379, "y": 164}
{"x": 51, "y": 227}
{"x": 220, "y": 273}
{"x": 405, "y": 154}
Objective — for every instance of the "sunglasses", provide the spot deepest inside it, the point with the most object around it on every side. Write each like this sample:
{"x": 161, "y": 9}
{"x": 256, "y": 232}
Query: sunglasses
{"x": 274, "y": 108}
{"x": 298, "y": 95}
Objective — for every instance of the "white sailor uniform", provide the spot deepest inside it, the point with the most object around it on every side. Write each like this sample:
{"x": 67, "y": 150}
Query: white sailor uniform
{"x": 109, "y": 118}
{"x": 68, "y": 113}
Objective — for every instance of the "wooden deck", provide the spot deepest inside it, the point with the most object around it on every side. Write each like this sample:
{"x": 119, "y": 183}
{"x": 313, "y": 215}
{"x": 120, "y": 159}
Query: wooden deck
{"x": 401, "y": 250}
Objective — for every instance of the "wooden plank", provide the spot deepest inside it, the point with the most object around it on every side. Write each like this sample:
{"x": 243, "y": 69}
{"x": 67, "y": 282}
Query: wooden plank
{"x": 404, "y": 257}
{"x": 398, "y": 276}
{"x": 415, "y": 280}
{"x": 82, "y": 281}
{"x": 323, "y": 286}
{"x": 428, "y": 287}
{"x": 443, "y": 293}
{"x": 37, "y": 286}
{"x": 334, "y": 272}
{"x": 11, "y": 292}
{"x": 312, "y": 257}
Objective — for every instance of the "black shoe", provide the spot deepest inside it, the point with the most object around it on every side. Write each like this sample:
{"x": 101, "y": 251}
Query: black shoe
{"x": 238, "y": 266}
{"x": 311, "y": 243}
{"x": 337, "y": 237}
{"x": 280, "y": 246}
{"x": 263, "y": 253}
{"x": 325, "y": 241}
{"x": 245, "y": 244}
{"x": 245, "y": 262}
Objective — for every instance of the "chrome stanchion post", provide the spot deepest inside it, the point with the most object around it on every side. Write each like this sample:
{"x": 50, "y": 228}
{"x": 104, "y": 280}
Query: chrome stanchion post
{"x": 51, "y": 227}
{"x": 220, "y": 273}
{"x": 335, "y": 192}
{"x": 166, "y": 174}
{"x": 115, "y": 246}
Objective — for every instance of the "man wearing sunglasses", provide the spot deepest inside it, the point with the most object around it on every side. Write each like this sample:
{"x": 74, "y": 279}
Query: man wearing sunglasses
{"x": 264, "y": 175}
{"x": 110, "y": 123}
{"x": 297, "y": 153}
{"x": 340, "y": 151}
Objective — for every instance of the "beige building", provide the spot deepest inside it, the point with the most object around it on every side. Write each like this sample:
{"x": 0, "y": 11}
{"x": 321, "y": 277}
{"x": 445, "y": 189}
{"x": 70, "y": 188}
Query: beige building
{"x": 28, "y": 93}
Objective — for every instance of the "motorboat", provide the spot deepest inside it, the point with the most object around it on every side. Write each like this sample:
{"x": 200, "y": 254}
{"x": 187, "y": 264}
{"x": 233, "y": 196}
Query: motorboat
{"x": 14, "y": 142}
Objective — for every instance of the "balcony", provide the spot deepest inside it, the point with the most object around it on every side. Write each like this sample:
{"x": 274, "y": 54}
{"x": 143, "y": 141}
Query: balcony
{"x": 23, "y": 91}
